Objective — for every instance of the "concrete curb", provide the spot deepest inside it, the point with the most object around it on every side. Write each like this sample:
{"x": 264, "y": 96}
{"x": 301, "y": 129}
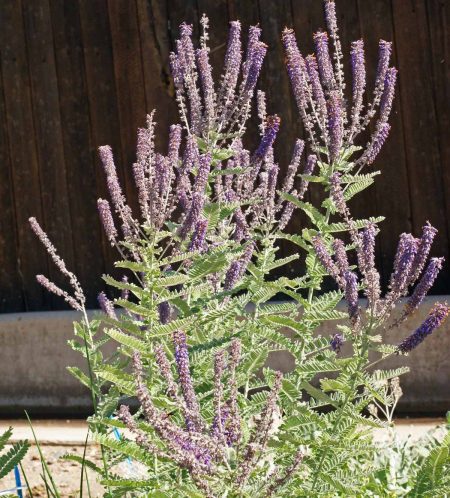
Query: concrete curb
{"x": 34, "y": 356}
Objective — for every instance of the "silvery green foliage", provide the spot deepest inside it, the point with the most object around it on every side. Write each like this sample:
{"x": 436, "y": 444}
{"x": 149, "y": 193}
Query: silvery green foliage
{"x": 198, "y": 265}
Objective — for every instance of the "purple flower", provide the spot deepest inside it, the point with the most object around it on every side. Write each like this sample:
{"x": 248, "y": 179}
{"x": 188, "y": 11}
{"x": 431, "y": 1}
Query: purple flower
{"x": 336, "y": 342}
{"x": 384, "y": 56}
{"x": 107, "y": 220}
{"x": 326, "y": 260}
{"x": 254, "y": 34}
{"x": 174, "y": 145}
{"x": 115, "y": 191}
{"x": 207, "y": 84}
{"x": 198, "y": 237}
{"x": 270, "y": 132}
{"x": 424, "y": 284}
{"x": 425, "y": 243}
{"x": 309, "y": 169}
{"x": 233, "y": 58}
{"x": 185, "y": 379}
{"x": 237, "y": 268}
{"x": 351, "y": 294}
{"x": 340, "y": 255}
{"x": 106, "y": 306}
{"x": 434, "y": 320}
{"x": 337, "y": 194}
{"x": 53, "y": 288}
{"x": 375, "y": 144}
{"x": 359, "y": 80}
{"x": 164, "y": 312}
{"x": 202, "y": 174}
{"x": 316, "y": 87}
{"x": 387, "y": 97}
{"x": 366, "y": 261}
{"x": 406, "y": 253}
{"x": 295, "y": 68}
{"x": 289, "y": 178}
{"x": 335, "y": 125}
{"x": 195, "y": 209}
{"x": 255, "y": 63}
{"x": 287, "y": 212}
{"x": 324, "y": 60}
{"x": 146, "y": 141}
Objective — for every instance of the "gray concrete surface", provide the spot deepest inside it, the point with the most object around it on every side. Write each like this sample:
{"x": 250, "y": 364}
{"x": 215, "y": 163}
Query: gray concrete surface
{"x": 34, "y": 354}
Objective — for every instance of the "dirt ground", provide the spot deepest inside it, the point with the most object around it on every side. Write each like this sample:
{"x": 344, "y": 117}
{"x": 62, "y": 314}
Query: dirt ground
{"x": 66, "y": 474}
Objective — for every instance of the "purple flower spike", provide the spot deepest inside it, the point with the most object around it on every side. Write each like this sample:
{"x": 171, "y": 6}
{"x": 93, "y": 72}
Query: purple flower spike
{"x": 335, "y": 125}
{"x": 106, "y": 306}
{"x": 425, "y": 243}
{"x": 255, "y": 64}
{"x": 359, "y": 80}
{"x": 309, "y": 169}
{"x": 237, "y": 268}
{"x": 185, "y": 379}
{"x": 270, "y": 132}
{"x": 376, "y": 144}
{"x": 387, "y": 97}
{"x": 203, "y": 171}
{"x": 324, "y": 60}
{"x": 337, "y": 194}
{"x": 384, "y": 56}
{"x": 316, "y": 87}
{"x": 289, "y": 178}
{"x": 195, "y": 209}
{"x": 287, "y": 212}
{"x": 164, "y": 312}
{"x": 340, "y": 255}
{"x": 107, "y": 220}
{"x": 424, "y": 285}
{"x": 52, "y": 287}
{"x": 233, "y": 58}
{"x": 336, "y": 342}
{"x": 351, "y": 295}
{"x": 366, "y": 256}
{"x": 254, "y": 34}
{"x": 434, "y": 320}
{"x": 406, "y": 253}
{"x": 174, "y": 145}
{"x": 326, "y": 260}
{"x": 207, "y": 84}
{"x": 198, "y": 237}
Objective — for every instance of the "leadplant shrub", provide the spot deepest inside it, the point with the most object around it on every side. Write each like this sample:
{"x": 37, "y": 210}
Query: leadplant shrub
{"x": 193, "y": 316}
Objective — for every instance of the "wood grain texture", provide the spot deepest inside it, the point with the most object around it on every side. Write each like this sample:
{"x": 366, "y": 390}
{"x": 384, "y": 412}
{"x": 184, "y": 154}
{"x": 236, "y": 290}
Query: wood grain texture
{"x": 77, "y": 74}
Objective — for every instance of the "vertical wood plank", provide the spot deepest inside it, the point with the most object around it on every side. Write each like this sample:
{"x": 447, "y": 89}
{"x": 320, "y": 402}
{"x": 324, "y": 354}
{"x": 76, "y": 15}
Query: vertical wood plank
{"x": 182, "y": 11}
{"x": 22, "y": 151}
{"x": 419, "y": 120}
{"x": 438, "y": 14}
{"x": 129, "y": 83}
{"x": 10, "y": 284}
{"x": 155, "y": 48}
{"x": 47, "y": 122}
{"x": 74, "y": 109}
{"x": 102, "y": 96}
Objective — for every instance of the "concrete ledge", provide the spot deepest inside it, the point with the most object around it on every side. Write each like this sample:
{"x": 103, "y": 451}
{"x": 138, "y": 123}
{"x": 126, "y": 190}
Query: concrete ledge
{"x": 34, "y": 355}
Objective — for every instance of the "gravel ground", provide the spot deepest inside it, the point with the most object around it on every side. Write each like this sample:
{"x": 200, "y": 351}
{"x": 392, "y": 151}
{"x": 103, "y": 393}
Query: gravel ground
{"x": 65, "y": 473}
{"x": 59, "y": 437}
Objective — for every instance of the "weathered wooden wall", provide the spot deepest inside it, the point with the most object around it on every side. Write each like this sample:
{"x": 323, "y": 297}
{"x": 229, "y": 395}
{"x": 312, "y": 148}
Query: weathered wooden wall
{"x": 79, "y": 74}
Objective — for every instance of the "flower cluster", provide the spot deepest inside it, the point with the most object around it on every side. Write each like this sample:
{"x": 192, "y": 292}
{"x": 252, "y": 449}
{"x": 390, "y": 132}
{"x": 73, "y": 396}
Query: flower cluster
{"x": 201, "y": 447}
{"x": 318, "y": 87}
